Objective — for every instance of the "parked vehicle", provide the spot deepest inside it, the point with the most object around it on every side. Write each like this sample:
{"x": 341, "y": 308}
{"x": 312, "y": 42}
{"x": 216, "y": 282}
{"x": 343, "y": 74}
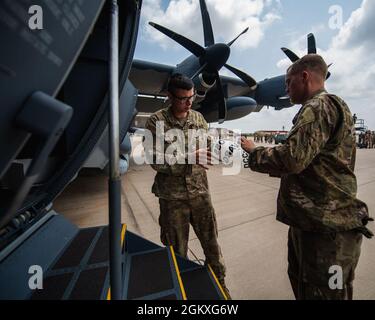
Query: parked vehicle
{"x": 280, "y": 138}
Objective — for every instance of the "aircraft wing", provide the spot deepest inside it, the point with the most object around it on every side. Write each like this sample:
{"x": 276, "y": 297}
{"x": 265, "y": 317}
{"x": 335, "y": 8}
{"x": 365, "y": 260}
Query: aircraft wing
{"x": 150, "y": 78}
{"x": 235, "y": 86}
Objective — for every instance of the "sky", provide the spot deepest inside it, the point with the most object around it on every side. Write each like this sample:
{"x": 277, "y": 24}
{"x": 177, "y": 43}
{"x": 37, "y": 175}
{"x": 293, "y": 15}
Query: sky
{"x": 344, "y": 32}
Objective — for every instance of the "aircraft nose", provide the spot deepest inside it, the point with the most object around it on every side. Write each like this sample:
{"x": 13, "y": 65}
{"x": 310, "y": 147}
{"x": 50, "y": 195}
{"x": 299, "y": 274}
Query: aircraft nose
{"x": 217, "y": 55}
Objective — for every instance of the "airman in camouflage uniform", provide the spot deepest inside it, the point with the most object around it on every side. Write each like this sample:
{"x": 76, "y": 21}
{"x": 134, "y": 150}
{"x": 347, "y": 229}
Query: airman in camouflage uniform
{"x": 370, "y": 134}
{"x": 182, "y": 189}
{"x": 317, "y": 196}
{"x": 368, "y": 139}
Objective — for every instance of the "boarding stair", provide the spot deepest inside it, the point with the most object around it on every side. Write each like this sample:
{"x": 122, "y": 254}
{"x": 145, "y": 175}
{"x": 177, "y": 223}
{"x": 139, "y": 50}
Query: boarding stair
{"x": 75, "y": 264}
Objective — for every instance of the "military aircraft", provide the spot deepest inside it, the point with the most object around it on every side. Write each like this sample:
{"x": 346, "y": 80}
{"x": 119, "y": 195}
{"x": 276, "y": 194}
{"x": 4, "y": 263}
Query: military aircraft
{"x": 220, "y": 97}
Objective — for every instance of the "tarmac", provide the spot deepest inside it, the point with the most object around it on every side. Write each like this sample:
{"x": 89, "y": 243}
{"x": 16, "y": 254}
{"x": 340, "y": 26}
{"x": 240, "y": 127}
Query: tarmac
{"x": 253, "y": 243}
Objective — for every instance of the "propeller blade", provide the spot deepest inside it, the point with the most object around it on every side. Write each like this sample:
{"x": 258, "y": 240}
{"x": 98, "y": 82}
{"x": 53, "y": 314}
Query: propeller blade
{"x": 328, "y": 73}
{"x": 207, "y": 26}
{"x": 222, "y": 108}
{"x": 231, "y": 42}
{"x": 290, "y": 54}
{"x": 198, "y": 71}
{"x": 311, "y": 49}
{"x": 188, "y": 44}
{"x": 311, "y": 43}
{"x": 243, "y": 76}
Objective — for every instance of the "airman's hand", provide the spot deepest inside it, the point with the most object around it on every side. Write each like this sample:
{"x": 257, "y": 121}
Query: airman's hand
{"x": 247, "y": 145}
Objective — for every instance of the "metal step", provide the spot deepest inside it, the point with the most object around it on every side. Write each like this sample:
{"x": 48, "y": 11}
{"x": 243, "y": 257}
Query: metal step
{"x": 39, "y": 248}
{"x": 75, "y": 265}
{"x": 154, "y": 272}
{"x": 81, "y": 272}
{"x": 199, "y": 281}
{"x": 151, "y": 271}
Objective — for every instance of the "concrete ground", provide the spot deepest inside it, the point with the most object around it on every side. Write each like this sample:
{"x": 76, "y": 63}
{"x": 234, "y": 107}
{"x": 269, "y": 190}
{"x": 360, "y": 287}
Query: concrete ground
{"x": 252, "y": 241}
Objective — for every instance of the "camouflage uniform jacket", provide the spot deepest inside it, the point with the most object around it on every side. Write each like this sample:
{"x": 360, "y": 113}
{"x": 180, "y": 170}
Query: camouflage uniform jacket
{"x": 316, "y": 165}
{"x": 177, "y": 181}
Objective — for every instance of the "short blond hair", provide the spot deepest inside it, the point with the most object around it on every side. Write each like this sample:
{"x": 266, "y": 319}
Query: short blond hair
{"x": 311, "y": 62}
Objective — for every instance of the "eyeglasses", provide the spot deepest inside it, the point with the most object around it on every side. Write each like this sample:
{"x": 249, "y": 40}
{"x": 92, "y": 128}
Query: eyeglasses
{"x": 185, "y": 99}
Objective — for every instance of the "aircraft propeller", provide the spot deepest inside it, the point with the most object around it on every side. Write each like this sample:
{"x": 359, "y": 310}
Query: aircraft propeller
{"x": 211, "y": 58}
{"x": 311, "y": 48}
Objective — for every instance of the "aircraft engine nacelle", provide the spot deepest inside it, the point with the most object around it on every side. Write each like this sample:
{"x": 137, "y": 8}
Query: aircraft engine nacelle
{"x": 272, "y": 92}
{"x": 238, "y": 107}
{"x": 202, "y": 84}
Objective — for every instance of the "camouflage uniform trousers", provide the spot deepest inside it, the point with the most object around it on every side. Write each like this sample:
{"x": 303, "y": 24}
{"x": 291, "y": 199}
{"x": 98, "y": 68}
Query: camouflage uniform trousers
{"x": 310, "y": 256}
{"x": 175, "y": 219}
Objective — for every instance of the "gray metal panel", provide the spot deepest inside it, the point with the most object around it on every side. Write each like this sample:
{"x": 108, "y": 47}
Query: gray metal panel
{"x": 17, "y": 242}
{"x": 86, "y": 141}
{"x": 41, "y": 249}
{"x": 150, "y": 104}
{"x": 50, "y": 55}
{"x": 100, "y": 155}
{"x": 149, "y": 77}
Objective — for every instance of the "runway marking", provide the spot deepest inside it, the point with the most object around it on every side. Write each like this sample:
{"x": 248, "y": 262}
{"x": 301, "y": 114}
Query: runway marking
{"x": 263, "y": 185}
{"x": 242, "y": 223}
{"x": 363, "y": 184}
{"x": 144, "y": 203}
{"x": 246, "y": 179}
{"x": 130, "y": 210}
